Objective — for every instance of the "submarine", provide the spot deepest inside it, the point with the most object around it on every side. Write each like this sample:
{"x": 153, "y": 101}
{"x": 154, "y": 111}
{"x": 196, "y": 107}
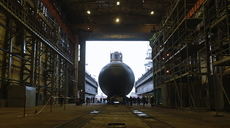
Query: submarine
{"x": 116, "y": 78}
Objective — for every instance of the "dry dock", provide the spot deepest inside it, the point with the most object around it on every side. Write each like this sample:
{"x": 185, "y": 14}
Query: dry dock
{"x": 107, "y": 116}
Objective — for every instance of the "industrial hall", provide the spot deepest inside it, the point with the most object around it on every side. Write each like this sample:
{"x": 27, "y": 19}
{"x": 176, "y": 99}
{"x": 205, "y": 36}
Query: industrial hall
{"x": 43, "y": 77}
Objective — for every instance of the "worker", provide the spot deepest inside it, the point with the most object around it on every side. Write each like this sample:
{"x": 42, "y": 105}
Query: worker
{"x": 138, "y": 100}
{"x": 131, "y": 101}
{"x": 144, "y": 101}
{"x": 152, "y": 101}
{"x": 112, "y": 100}
{"x": 61, "y": 99}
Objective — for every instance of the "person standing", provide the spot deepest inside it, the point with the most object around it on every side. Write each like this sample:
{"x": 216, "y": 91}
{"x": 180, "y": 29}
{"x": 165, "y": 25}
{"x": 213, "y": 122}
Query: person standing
{"x": 61, "y": 98}
{"x": 87, "y": 101}
{"x": 127, "y": 101}
{"x": 152, "y": 101}
{"x": 138, "y": 100}
{"x": 112, "y": 100}
{"x": 93, "y": 100}
{"x": 78, "y": 102}
{"x": 124, "y": 97}
{"x": 144, "y": 101}
{"x": 131, "y": 101}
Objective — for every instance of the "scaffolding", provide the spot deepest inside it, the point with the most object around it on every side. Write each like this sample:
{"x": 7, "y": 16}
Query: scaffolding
{"x": 34, "y": 51}
{"x": 217, "y": 18}
{"x": 178, "y": 57}
{"x": 158, "y": 65}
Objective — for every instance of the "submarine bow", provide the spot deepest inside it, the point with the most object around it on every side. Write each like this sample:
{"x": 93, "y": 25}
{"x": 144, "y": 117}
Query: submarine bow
{"x": 116, "y": 78}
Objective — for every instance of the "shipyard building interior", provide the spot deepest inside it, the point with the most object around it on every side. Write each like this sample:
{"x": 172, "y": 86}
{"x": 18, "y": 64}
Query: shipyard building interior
{"x": 42, "y": 60}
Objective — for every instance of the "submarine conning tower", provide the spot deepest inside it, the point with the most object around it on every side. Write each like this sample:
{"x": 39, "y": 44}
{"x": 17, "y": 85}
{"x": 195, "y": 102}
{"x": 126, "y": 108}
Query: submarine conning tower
{"x": 116, "y": 56}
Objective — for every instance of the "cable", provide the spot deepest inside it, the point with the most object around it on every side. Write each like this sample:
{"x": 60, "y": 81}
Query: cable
{"x": 39, "y": 111}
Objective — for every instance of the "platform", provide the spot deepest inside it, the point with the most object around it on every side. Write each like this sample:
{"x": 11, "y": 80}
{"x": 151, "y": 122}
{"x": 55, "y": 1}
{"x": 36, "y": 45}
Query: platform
{"x": 107, "y": 116}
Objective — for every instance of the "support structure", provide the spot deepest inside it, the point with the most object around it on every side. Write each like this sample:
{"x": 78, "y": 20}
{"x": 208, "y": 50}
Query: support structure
{"x": 191, "y": 55}
{"x": 219, "y": 44}
{"x": 81, "y": 72}
{"x": 33, "y": 53}
{"x": 178, "y": 57}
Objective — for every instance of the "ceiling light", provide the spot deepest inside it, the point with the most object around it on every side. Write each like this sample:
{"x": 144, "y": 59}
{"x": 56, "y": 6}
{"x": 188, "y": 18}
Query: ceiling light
{"x": 118, "y": 3}
{"x": 117, "y": 20}
{"x": 152, "y": 12}
{"x": 88, "y": 12}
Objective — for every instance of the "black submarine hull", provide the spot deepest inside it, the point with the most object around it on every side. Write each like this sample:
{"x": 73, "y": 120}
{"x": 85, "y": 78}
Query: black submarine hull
{"x": 116, "y": 78}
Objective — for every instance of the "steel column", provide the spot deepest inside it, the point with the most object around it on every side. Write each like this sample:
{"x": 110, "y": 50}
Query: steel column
{"x": 38, "y": 60}
{"x": 81, "y": 71}
{"x": 27, "y": 64}
{"x": 53, "y": 71}
{"x": 7, "y": 58}
{"x": 76, "y": 69}
{"x": 66, "y": 82}
{"x": 62, "y": 76}
{"x": 32, "y": 64}
{"x": 49, "y": 60}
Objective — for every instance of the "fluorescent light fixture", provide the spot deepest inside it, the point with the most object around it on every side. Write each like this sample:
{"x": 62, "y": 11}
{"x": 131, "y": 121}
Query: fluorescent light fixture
{"x": 118, "y": 3}
{"x": 117, "y": 20}
{"x": 152, "y": 12}
{"x": 88, "y": 12}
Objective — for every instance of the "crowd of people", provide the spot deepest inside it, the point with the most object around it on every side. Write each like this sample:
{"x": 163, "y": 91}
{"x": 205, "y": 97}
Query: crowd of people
{"x": 144, "y": 100}
{"x": 127, "y": 101}
{"x": 87, "y": 101}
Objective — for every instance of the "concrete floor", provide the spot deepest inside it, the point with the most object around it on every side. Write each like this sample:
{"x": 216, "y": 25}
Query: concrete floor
{"x": 157, "y": 117}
